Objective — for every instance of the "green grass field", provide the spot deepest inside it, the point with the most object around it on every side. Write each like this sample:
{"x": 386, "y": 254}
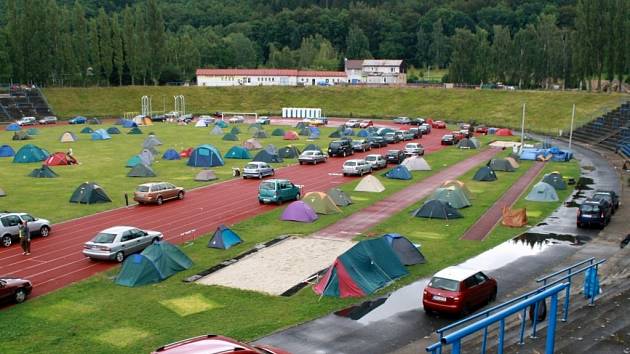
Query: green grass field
{"x": 546, "y": 111}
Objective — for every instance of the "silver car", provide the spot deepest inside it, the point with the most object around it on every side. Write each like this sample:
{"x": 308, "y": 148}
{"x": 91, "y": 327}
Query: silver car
{"x": 356, "y": 167}
{"x": 312, "y": 156}
{"x": 118, "y": 242}
{"x": 258, "y": 170}
{"x": 377, "y": 161}
{"x": 9, "y": 227}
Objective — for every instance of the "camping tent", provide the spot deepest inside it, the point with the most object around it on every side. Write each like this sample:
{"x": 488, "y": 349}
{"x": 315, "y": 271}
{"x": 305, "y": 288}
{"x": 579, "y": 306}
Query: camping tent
{"x": 2, "y": 193}
{"x": 255, "y": 126}
{"x": 22, "y": 135}
{"x": 235, "y": 131}
{"x": 89, "y": 193}
{"x": 205, "y": 176}
{"x": 43, "y": 172}
{"x": 171, "y": 154}
{"x": 514, "y": 217}
{"x": 224, "y": 238}
{"x": 151, "y": 141}
{"x": 221, "y": 124}
{"x": 366, "y": 267}
{"x": 141, "y": 170}
{"x": 336, "y": 134}
{"x": 134, "y": 160}
{"x": 369, "y": 183}
{"x": 416, "y": 163}
{"x": 485, "y": 174}
{"x": 475, "y": 141}
{"x": 407, "y": 253}
{"x": 555, "y": 180}
{"x": 113, "y": 130}
{"x": 32, "y": 131}
{"x": 348, "y": 132}
{"x": 560, "y": 155}
{"x": 466, "y": 144}
{"x": 363, "y": 133}
{"x": 13, "y": 127}
{"x": 436, "y": 209}
{"x": 216, "y": 130}
{"x": 146, "y": 157}
{"x": 277, "y": 132}
{"x": 156, "y": 263}
{"x": 94, "y": 121}
{"x": 315, "y": 133}
{"x": 68, "y": 137}
{"x": 230, "y": 137}
{"x": 533, "y": 154}
{"x": 457, "y": 184}
{"x": 304, "y": 131}
{"x": 205, "y": 156}
{"x": 126, "y": 123}
{"x": 237, "y": 152}
{"x": 100, "y": 134}
{"x": 271, "y": 148}
{"x": 291, "y": 135}
{"x": 59, "y": 159}
{"x": 260, "y": 134}
{"x": 512, "y": 161}
{"x": 299, "y": 211}
{"x": 501, "y": 165}
{"x": 135, "y": 131}
{"x": 87, "y": 130}
{"x": 300, "y": 125}
{"x": 252, "y": 144}
{"x": 186, "y": 152}
{"x": 265, "y": 156}
{"x": 339, "y": 197}
{"x": 321, "y": 203}
{"x": 201, "y": 124}
{"x": 6, "y": 151}
{"x": 452, "y": 195}
{"x": 504, "y": 132}
{"x": 399, "y": 172}
{"x": 30, "y": 153}
{"x": 312, "y": 147}
{"x": 542, "y": 192}
{"x": 289, "y": 152}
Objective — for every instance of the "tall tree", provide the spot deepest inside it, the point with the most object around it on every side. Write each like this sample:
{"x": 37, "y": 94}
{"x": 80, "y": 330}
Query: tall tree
{"x": 129, "y": 43}
{"x": 106, "y": 50}
{"x": 94, "y": 69}
{"x": 117, "y": 47}
{"x": 326, "y": 58}
{"x": 422, "y": 47}
{"x": 141, "y": 45}
{"x": 5, "y": 58}
{"x": 357, "y": 44}
{"x": 439, "y": 49}
{"x": 462, "y": 69}
{"x": 15, "y": 33}
{"x": 80, "y": 40}
{"x": 156, "y": 40}
{"x": 501, "y": 53}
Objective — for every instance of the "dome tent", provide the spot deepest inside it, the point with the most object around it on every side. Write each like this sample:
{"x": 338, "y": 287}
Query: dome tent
{"x": 6, "y": 151}
{"x": 134, "y": 160}
{"x": 43, "y": 172}
{"x": 321, "y": 203}
{"x": 407, "y": 253}
{"x": 485, "y": 174}
{"x": 398, "y": 172}
{"x": 205, "y": 176}
{"x": 457, "y": 184}
{"x": 299, "y": 211}
{"x": 156, "y": 263}
{"x": 252, "y": 144}
{"x": 237, "y": 152}
{"x": 312, "y": 147}
{"x": 171, "y": 154}
{"x": 289, "y": 152}
{"x": 100, "y": 134}
{"x": 277, "y": 132}
{"x": 501, "y": 165}
{"x": 230, "y": 137}
{"x": 291, "y": 135}
{"x": 30, "y": 153}
{"x": 68, "y": 137}
{"x": 13, "y": 127}
{"x": 141, "y": 170}
{"x": 205, "y": 156}
{"x": 339, "y": 197}
{"x": 60, "y": 159}
{"x": 224, "y": 238}
{"x": 265, "y": 156}
{"x": 542, "y": 192}
{"x": 453, "y": 196}
{"x": 436, "y": 209}
{"x": 555, "y": 180}
{"x": 416, "y": 163}
{"x": 216, "y": 130}
{"x": 113, "y": 130}
{"x": 369, "y": 183}
{"x": 87, "y": 130}
{"x": 89, "y": 193}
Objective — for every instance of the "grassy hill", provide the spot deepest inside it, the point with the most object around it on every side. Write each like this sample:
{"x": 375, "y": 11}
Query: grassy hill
{"x": 546, "y": 111}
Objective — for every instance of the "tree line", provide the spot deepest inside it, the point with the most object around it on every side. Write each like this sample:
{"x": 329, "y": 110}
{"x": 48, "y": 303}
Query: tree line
{"x": 529, "y": 44}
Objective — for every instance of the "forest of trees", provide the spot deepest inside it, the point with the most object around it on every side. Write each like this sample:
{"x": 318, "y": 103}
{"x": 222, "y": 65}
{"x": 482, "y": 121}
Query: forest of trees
{"x": 529, "y": 44}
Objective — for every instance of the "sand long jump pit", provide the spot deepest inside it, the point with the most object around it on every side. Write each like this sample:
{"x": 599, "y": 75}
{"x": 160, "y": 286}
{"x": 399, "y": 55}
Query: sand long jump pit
{"x": 277, "y": 268}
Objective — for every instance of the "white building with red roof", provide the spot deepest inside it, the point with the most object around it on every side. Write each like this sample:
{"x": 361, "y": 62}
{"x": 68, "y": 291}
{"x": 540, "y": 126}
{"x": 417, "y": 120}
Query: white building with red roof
{"x": 268, "y": 77}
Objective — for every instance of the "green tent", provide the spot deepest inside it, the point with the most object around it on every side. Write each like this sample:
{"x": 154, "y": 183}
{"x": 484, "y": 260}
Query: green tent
{"x": 237, "y": 152}
{"x": 452, "y": 195}
{"x": 87, "y": 130}
{"x": 141, "y": 170}
{"x": 289, "y": 152}
{"x": 30, "y": 153}
{"x": 339, "y": 197}
{"x": 501, "y": 165}
{"x": 437, "y": 209}
{"x": 133, "y": 161}
{"x": 555, "y": 180}
{"x": 43, "y": 172}
{"x": 135, "y": 131}
{"x": 156, "y": 263}
{"x": 542, "y": 192}
{"x": 321, "y": 203}
{"x": 235, "y": 130}
{"x": 230, "y": 137}
{"x": 336, "y": 134}
{"x": 89, "y": 193}
{"x": 260, "y": 134}
{"x": 221, "y": 124}
{"x": 277, "y": 132}
{"x": 485, "y": 174}
{"x": 138, "y": 270}
{"x": 21, "y": 136}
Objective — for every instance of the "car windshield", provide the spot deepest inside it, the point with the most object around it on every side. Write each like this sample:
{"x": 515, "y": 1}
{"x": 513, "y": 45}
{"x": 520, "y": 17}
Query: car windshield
{"x": 270, "y": 186}
{"x": 350, "y": 163}
{"x": 389, "y": 134}
{"x": 142, "y": 189}
{"x": 447, "y": 137}
{"x": 444, "y": 284}
{"x": 308, "y": 153}
{"x": 251, "y": 165}
{"x": 335, "y": 145}
{"x": 600, "y": 196}
{"x": 589, "y": 208}
{"x": 104, "y": 238}
{"x": 370, "y": 158}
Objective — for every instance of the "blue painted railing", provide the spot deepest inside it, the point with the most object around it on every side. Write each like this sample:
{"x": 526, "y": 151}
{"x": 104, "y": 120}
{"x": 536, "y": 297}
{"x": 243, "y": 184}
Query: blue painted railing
{"x": 549, "y": 280}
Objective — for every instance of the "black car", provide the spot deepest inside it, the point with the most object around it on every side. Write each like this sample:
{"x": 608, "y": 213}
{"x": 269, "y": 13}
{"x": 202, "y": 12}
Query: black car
{"x": 610, "y": 196}
{"x": 395, "y": 156}
{"x": 449, "y": 139}
{"x": 392, "y": 138}
{"x": 159, "y": 118}
{"x": 340, "y": 148}
{"x": 377, "y": 141}
{"x": 594, "y": 212}
{"x": 417, "y": 133}
{"x": 417, "y": 121}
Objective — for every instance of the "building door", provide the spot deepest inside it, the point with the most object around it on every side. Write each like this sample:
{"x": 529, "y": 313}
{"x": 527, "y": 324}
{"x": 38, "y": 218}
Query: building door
{"x": 313, "y": 82}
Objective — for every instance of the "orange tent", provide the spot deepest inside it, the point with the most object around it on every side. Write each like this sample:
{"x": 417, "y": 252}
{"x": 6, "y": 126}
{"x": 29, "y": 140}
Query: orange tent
{"x": 514, "y": 217}
{"x": 291, "y": 135}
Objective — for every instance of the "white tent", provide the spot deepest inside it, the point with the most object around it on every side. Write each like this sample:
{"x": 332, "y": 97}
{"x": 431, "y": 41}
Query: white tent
{"x": 139, "y": 119}
{"x": 369, "y": 183}
{"x": 201, "y": 124}
{"x": 542, "y": 192}
{"x": 416, "y": 163}
{"x": 217, "y": 130}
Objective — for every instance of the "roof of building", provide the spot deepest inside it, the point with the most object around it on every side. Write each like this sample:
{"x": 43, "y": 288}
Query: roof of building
{"x": 269, "y": 72}
{"x": 382, "y": 62}
{"x": 353, "y": 64}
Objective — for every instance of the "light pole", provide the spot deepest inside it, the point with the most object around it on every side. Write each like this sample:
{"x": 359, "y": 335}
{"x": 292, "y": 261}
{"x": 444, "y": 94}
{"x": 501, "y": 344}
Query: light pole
{"x": 523, "y": 128}
{"x": 571, "y": 130}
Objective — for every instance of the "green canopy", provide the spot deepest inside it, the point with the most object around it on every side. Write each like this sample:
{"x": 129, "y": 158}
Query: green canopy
{"x": 89, "y": 193}
{"x": 141, "y": 170}
{"x": 43, "y": 172}
{"x": 452, "y": 195}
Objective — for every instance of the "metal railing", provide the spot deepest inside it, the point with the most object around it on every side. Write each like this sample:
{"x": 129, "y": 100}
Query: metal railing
{"x": 548, "y": 281}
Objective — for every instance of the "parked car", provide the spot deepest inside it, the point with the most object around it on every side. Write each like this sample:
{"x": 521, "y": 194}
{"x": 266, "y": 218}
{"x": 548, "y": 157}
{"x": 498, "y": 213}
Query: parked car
{"x": 416, "y": 132}
{"x": 417, "y": 121}
{"x": 407, "y": 135}
{"x": 361, "y": 145}
{"x": 318, "y": 121}
{"x": 482, "y": 129}
{"x": 159, "y": 118}
{"x": 277, "y": 191}
{"x": 27, "y": 121}
{"x": 312, "y": 156}
{"x": 341, "y": 147}
{"x": 414, "y": 149}
{"x": 395, "y": 156}
{"x": 465, "y": 133}
{"x": 458, "y": 135}
{"x": 9, "y": 222}
{"x": 356, "y": 167}
{"x": 402, "y": 120}
{"x": 187, "y": 118}
{"x": 14, "y": 289}
{"x": 264, "y": 120}
{"x": 594, "y": 212}
{"x": 613, "y": 198}
{"x": 449, "y": 139}
{"x": 352, "y": 123}
{"x": 207, "y": 119}
{"x": 116, "y": 243}
{"x": 237, "y": 119}
{"x": 258, "y": 170}
{"x": 48, "y": 120}
{"x": 157, "y": 192}
{"x": 366, "y": 123}
{"x": 425, "y": 128}
{"x": 78, "y": 120}
{"x": 214, "y": 344}
{"x": 377, "y": 161}
{"x": 438, "y": 124}
{"x": 377, "y": 141}
{"x": 458, "y": 290}
{"x": 392, "y": 138}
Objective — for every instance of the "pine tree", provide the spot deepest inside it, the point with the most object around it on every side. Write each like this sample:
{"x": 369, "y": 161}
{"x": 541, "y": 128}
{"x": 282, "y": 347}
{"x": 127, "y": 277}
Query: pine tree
{"x": 129, "y": 41}
{"x": 357, "y": 44}
{"x": 80, "y": 41}
{"x": 156, "y": 40}
{"x": 95, "y": 54}
{"x": 106, "y": 51}
{"x": 117, "y": 47}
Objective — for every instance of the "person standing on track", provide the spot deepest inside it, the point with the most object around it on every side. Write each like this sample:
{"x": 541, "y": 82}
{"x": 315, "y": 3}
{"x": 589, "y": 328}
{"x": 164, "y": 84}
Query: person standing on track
{"x": 25, "y": 237}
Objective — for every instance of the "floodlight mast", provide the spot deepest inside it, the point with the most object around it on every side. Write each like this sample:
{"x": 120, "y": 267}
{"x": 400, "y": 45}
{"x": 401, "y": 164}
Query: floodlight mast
{"x": 523, "y": 128}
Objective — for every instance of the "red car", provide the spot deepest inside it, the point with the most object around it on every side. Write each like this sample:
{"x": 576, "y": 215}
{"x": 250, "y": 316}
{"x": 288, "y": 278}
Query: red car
{"x": 214, "y": 344}
{"x": 366, "y": 123}
{"x": 481, "y": 130}
{"x": 438, "y": 124}
{"x": 458, "y": 290}
{"x": 14, "y": 289}
{"x": 458, "y": 135}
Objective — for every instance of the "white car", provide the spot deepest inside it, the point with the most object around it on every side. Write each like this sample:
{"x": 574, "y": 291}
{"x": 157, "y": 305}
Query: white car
{"x": 263, "y": 120}
{"x": 118, "y": 242}
{"x": 376, "y": 160}
{"x": 27, "y": 121}
{"x": 237, "y": 119}
{"x": 414, "y": 149}
{"x": 312, "y": 156}
{"x": 356, "y": 167}
{"x": 352, "y": 123}
{"x": 258, "y": 170}
{"x": 208, "y": 119}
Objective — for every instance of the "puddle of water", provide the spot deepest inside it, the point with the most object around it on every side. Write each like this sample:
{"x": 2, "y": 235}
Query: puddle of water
{"x": 589, "y": 168}
{"x": 535, "y": 240}
{"x": 583, "y": 183}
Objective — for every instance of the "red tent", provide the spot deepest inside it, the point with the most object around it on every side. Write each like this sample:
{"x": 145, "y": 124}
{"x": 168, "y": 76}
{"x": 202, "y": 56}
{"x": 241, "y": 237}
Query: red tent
{"x": 186, "y": 152}
{"x": 291, "y": 135}
{"x": 59, "y": 159}
{"x": 504, "y": 132}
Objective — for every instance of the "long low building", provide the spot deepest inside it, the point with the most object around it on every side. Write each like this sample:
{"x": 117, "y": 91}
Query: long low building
{"x": 268, "y": 77}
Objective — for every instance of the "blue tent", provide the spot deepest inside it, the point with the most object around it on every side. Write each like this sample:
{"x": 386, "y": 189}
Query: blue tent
{"x": 348, "y": 131}
{"x": 87, "y": 130}
{"x": 30, "y": 153}
{"x": 100, "y": 134}
{"x": 237, "y": 152}
{"x": 133, "y": 161}
{"x": 171, "y": 154}
{"x": 13, "y": 127}
{"x": 315, "y": 133}
{"x": 398, "y": 172}
{"x": 205, "y": 156}
{"x": 406, "y": 251}
{"x": 532, "y": 154}
{"x": 560, "y": 155}
{"x": 224, "y": 238}
{"x": 363, "y": 133}
{"x": 6, "y": 151}
{"x": 126, "y": 123}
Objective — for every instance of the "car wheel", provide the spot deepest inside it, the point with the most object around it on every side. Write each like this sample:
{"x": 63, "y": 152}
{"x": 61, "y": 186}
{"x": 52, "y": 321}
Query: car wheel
{"x": 7, "y": 240}
{"x": 361, "y": 173}
{"x": 345, "y": 174}
{"x": 44, "y": 231}
{"x": 493, "y": 297}
{"x": 278, "y": 202}
{"x": 300, "y": 162}
{"x": 273, "y": 173}
{"x": 465, "y": 311}
{"x": 261, "y": 202}
{"x": 344, "y": 154}
{"x": 155, "y": 240}
{"x": 180, "y": 195}
{"x": 120, "y": 256}
{"x": 20, "y": 296}
{"x": 159, "y": 201}
{"x": 579, "y": 225}
{"x": 297, "y": 196}
{"x": 260, "y": 176}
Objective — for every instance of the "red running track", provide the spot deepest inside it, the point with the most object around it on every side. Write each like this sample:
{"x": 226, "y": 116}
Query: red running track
{"x": 57, "y": 261}
{"x": 493, "y": 215}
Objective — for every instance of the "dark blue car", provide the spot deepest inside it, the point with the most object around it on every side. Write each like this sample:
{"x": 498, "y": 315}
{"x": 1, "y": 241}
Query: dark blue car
{"x": 594, "y": 212}
{"x": 78, "y": 120}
